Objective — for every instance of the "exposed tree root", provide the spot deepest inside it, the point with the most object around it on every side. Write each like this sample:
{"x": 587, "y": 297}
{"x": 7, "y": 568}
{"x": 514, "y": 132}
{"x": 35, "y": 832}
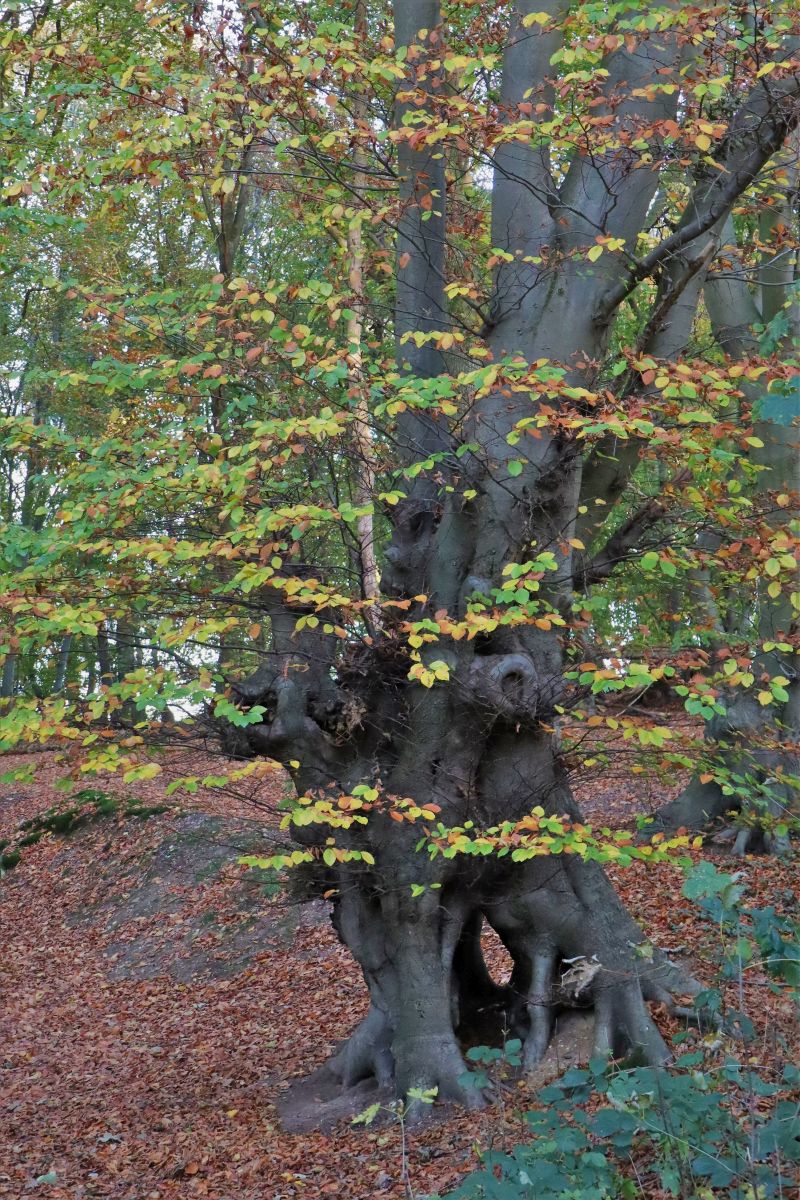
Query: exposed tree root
{"x": 755, "y": 839}
{"x": 697, "y": 807}
{"x": 700, "y": 806}
{"x": 576, "y": 946}
{"x": 572, "y": 944}
{"x": 367, "y": 1053}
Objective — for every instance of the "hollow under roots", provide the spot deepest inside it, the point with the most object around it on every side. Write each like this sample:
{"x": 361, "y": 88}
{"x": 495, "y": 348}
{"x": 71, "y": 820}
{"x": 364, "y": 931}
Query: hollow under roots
{"x": 572, "y": 945}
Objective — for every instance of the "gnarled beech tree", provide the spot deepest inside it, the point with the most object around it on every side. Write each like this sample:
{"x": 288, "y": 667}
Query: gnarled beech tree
{"x": 476, "y": 313}
{"x": 469, "y": 733}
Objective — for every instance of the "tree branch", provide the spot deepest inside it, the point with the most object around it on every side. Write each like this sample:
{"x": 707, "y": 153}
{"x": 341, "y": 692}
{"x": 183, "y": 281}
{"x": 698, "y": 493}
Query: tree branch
{"x": 611, "y": 465}
{"x": 626, "y": 538}
{"x": 524, "y": 191}
{"x": 758, "y": 131}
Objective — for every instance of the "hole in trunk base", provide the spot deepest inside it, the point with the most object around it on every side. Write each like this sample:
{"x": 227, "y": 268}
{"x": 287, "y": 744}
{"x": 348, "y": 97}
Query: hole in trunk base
{"x": 498, "y": 961}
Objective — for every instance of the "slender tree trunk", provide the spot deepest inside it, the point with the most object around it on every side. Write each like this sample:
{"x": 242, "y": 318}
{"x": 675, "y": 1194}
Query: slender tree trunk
{"x": 364, "y": 490}
{"x": 126, "y": 643}
{"x": 227, "y": 217}
{"x": 90, "y": 659}
{"x": 62, "y": 665}
{"x": 9, "y": 680}
{"x": 105, "y": 668}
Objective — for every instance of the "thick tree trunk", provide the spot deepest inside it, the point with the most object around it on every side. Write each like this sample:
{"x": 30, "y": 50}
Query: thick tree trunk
{"x": 570, "y": 940}
{"x": 480, "y": 749}
{"x": 412, "y": 920}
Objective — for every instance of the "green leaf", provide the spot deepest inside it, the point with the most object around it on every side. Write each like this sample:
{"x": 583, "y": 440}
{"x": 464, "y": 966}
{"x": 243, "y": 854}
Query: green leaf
{"x": 368, "y": 1115}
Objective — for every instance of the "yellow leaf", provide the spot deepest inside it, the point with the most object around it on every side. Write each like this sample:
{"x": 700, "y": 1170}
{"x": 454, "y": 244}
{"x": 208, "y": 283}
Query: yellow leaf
{"x": 765, "y": 697}
{"x": 594, "y": 253}
{"x": 146, "y": 771}
{"x": 703, "y": 142}
{"x": 537, "y": 18}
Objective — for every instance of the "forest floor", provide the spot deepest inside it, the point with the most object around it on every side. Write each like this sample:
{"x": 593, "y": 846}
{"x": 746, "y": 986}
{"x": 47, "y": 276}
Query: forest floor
{"x": 156, "y": 1002}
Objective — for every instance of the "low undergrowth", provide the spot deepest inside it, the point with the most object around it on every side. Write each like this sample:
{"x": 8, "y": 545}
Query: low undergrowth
{"x": 718, "y": 1124}
{"x": 83, "y": 808}
{"x": 703, "y": 1129}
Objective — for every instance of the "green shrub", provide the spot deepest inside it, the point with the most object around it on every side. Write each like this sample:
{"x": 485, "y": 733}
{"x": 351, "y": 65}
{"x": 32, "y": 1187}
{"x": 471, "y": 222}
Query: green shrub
{"x": 695, "y": 1128}
{"x": 703, "y": 1124}
{"x": 87, "y": 806}
{"x": 143, "y": 811}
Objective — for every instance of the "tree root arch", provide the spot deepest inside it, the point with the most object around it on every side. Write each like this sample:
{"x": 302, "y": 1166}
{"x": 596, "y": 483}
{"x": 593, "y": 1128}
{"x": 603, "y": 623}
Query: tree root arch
{"x": 432, "y": 996}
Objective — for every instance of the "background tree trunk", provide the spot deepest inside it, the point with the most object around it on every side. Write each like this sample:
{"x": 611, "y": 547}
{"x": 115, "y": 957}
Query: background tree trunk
{"x": 758, "y": 745}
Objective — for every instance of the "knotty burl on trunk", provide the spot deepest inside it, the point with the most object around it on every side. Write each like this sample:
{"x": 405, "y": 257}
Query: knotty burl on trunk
{"x": 480, "y": 744}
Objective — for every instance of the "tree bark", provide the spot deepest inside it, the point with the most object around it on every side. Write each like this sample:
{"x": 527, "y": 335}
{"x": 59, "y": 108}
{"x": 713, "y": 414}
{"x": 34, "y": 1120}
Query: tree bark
{"x": 62, "y": 664}
{"x": 9, "y": 679}
{"x": 364, "y": 491}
